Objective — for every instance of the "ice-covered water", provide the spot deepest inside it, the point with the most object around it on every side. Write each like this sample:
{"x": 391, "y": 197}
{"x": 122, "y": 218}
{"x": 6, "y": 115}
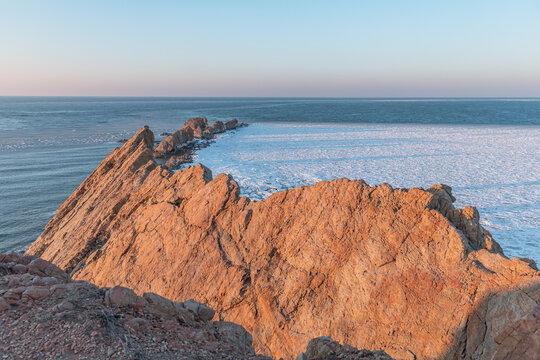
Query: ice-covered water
{"x": 495, "y": 168}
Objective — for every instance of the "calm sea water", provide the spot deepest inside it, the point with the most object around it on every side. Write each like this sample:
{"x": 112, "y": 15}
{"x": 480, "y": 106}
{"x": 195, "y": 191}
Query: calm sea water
{"x": 487, "y": 149}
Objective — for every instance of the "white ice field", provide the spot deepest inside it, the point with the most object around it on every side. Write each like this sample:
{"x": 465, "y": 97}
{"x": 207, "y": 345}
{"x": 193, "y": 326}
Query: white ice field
{"x": 495, "y": 168}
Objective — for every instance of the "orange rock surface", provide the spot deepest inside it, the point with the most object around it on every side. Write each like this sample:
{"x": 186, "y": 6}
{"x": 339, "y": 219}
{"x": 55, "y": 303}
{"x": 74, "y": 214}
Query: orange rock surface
{"x": 400, "y": 270}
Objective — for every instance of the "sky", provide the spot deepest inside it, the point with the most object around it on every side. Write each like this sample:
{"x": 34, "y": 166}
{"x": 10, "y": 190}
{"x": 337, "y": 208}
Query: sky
{"x": 380, "y": 48}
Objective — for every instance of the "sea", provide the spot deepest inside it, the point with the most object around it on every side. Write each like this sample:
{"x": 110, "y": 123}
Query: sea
{"x": 487, "y": 150}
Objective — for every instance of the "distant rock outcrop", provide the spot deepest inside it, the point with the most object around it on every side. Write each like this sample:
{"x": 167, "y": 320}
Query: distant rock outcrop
{"x": 195, "y": 128}
{"x": 231, "y": 124}
{"x": 217, "y": 128}
{"x": 400, "y": 270}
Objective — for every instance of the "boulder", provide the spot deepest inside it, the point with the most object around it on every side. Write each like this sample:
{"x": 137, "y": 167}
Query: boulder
{"x": 44, "y": 268}
{"x": 235, "y": 334}
{"x": 3, "y": 304}
{"x": 160, "y": 305}
{"x": 122, "y": 296}
{"x": 137, "y": 323}
{"x": 231, "y": 124}
{"x": 20, "y": 269}
{"x": 217, "y": 128}
{"x": 202, "y": 311}
{"x": 196, "y": 124}
{"x": 65, "y": 306}
{"x": 36, "y": 292}
{"x": 10, "y": 257}
{"x": 324, "y": 348}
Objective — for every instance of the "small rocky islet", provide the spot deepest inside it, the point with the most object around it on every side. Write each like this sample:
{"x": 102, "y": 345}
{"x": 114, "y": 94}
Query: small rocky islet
{"x": 401, "y": 273}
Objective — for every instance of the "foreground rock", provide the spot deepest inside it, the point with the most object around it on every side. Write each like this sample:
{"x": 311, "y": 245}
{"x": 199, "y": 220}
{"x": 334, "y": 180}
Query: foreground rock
{"x": 43, "y": 314}
{"x": 400, "y": 270}
{"x": 324, "y": 348}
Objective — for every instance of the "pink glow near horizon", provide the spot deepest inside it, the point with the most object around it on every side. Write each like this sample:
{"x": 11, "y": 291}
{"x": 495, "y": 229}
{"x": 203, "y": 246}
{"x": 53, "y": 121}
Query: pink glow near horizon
{"x": 172, "y": 49}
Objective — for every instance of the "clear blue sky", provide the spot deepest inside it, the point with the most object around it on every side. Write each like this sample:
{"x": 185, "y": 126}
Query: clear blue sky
{"x": 270, "y": 48}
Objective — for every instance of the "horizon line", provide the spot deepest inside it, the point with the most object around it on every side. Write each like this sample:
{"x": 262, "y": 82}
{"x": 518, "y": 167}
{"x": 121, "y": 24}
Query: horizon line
{"x": 272, "y": 97}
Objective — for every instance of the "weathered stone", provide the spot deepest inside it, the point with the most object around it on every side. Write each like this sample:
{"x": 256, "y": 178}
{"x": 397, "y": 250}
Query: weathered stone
{"x": 520, "y": 339}
{"x": 3, "y": 304}
{"x": 44, "y": 268}
{"x": 202, "y": 311}
{"x": 10, "y": 257}
{"x": 13, "y": 295}
{"x": 122, "y": 296}
{"x": 66, "y": 306}
{"x": 324, "y": 348}
{"x": 137, "y": 323}
{"x": 231, "y": 124}
{"x": 36, "y": 292}
{"x": 160, "y": 305}
{"x": 193, "y": 128}
{"x": 217, "y": 127}
{"x": 183, "y": 314}
{"x": 235, "y": 334}
{"x": 20, "y": 269}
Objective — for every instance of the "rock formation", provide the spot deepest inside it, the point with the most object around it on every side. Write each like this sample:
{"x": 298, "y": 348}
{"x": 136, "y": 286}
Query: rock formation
{"x": 231, "y": 124}
{"x": 400, "y": 270}
{"x": 217, "y": 128}
{"x": 195, "y": 128}
{"x": 43, "y": 314}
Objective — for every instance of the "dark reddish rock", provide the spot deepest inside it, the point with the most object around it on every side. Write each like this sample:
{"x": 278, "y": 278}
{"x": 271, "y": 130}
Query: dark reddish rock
{"x": 231, "y": 124}
{"x": 36, "y": 292}
{"x": 3, "y": 304}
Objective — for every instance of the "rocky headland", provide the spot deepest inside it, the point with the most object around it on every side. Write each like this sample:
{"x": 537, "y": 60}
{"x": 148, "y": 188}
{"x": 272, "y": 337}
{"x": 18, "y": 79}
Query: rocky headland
{"x": 399, "y": 270}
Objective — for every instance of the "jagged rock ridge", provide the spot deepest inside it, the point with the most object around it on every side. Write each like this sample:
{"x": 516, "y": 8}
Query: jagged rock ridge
{"x": 378, "y": 268}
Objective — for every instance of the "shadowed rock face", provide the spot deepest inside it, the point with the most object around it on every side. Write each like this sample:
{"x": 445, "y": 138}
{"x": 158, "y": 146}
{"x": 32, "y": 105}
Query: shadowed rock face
{"x": 400, "y": 270}
{"x": 43, "y": 314}
{"x": 324, "y": 348}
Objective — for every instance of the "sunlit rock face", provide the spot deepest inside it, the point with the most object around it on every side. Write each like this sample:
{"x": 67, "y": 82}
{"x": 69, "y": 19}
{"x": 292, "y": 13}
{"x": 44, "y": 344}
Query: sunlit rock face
{"x": 400, "y": 270}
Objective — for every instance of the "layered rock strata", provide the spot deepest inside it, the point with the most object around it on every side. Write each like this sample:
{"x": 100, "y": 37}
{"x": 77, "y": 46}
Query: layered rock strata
{"x": 375, "y": 267}
{"x": 44, "y": 314}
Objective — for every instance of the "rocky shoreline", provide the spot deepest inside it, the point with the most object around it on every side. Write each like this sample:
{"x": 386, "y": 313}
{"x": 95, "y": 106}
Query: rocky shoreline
{"x": 397, "y": 270}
